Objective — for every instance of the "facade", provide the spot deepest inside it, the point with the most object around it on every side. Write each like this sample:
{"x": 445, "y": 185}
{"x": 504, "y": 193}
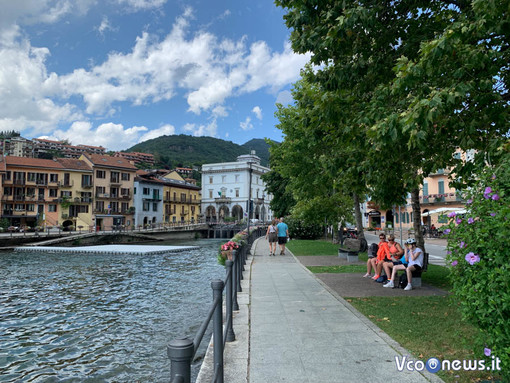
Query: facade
{"x": 136, "y": 158}
{"x": 113, "y": 180}
{"x": 75, "y": 194}
{"x": 148, "y": 200}
{"x": 69, "y": 151}
{"x": 181, "y": 199}
{"x": 17, "y": 147}
{"x": 30, "y": 191}
{"x": 227, "y": 187}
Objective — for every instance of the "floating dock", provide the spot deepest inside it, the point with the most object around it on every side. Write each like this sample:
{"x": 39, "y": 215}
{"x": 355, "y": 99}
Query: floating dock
{"x": 109, "y": 249}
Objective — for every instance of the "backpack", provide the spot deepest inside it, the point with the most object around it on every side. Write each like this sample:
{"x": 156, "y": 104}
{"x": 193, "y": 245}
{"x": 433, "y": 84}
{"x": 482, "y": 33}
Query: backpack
{"x": 372, "y": 250}
{"x": 402, "y": 281}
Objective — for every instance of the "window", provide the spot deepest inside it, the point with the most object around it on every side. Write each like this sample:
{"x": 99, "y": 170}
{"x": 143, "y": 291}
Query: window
{"x": 30, "y": 192}
{"x": 154, "y": 206}
{"x": 210, "y": 180}
{"x": 124, "y": 192}
{"x": 114, "y": 192}
{"x": 425, "y": 189}
{"x": 6, "y": 176}
{"x": 100, "y": 206}
{"x": 237, "y": 192}
{"x": 223, "y": 179}
{"x": 183, "y": 197}
{"x": 53, "y": 192}
{"x": 146, "y": 206}
{"x": 114, "y": 207}
{"x": 65, "y": 193}
{"x": 100, "y": 174}
{"x": 125, "y": 206}
{"x": 52, "y": 208}
{"x": 146, "y": 191}
{"x": 237, "y": 178}
{"x": 19, "y": 207}
{"x": 7, "y": 191}
{"x": 31, "y": 177}
{"x": 54, "y": 178}
{"x": 86, "y": 180}
{"x": 125, "y": 176}
{"x": 115, "y": 177}
{"x": 100, "y": 190}
{"x": 30, "y": 207}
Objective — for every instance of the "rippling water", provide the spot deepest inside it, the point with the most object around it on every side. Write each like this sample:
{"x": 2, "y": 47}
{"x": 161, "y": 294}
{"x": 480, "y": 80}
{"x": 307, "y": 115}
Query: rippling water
{"x": 97, "y": 318}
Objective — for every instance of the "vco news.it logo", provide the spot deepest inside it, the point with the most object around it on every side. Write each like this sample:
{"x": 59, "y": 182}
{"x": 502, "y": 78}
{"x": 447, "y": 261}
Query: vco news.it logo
{"x": 434, "y": 365}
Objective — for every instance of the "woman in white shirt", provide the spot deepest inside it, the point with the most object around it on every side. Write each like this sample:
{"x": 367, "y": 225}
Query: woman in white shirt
{"x": 414, "y": 258}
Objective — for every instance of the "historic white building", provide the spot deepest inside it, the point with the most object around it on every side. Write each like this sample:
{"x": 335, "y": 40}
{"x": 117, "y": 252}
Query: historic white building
{"x": 226, "y": 190}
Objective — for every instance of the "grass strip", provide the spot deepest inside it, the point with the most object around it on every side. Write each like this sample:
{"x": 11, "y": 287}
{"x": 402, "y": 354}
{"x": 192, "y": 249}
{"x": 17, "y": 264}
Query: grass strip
{"x": 427, "y": 327}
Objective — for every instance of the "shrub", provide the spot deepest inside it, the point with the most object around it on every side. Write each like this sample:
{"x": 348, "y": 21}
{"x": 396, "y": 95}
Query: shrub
{"x": 478, "y": 254}
{"x": 300, "y": 229}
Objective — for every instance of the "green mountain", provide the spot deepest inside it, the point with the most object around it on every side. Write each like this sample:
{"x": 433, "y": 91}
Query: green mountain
{"x": 183, "y": 150}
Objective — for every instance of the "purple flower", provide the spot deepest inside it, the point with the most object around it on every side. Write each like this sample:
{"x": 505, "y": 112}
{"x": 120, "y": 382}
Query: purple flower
{"x": 462, "y": 244}
{"x": 446, "y": 231}
{"x": 451, "y": 215}
{"x": 471, "y": 220}
{"x": 487, "y": 351}
{"x": 459, "y": 220}
{"x": 487, "y": 196}
{"x": 487, "y": 190}
{"x": 469, "y": 201}
{"x": 472, "y": 258}
{"x": 493, "y": 214}
{"x": 449, "y": 252}
{"x": 454, "y": 263}
{"x": 495, "y": 197}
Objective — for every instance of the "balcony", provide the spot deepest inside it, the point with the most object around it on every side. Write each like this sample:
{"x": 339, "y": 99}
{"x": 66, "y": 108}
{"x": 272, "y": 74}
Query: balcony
{"x": 102, "y": 195}
{"x": 223, "y": 200}
{"x": 65, "y": 184}
{"x": 445, "y": 198}
{"x": 18, "y": 182}
{"x": 41, "y": 182}
{"x": 87, "y": 185}
{"x": 115, "y": 181}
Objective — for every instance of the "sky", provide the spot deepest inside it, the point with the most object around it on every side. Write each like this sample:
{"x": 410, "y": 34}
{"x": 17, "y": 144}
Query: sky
{"x": 114, "y": 73}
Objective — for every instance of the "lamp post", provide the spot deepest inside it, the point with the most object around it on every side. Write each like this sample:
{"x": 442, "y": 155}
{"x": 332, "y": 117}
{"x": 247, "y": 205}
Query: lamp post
{"x": 249, "y": 196}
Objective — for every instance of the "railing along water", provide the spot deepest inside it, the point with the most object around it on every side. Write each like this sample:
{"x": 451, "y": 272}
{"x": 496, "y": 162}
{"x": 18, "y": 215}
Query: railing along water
{"x": 181, "y": 351}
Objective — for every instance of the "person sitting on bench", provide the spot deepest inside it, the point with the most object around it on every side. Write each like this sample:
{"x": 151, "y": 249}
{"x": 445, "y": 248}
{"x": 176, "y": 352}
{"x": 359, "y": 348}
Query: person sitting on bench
{"x": 396, "y": 253}
{"x": 414, "y": 257}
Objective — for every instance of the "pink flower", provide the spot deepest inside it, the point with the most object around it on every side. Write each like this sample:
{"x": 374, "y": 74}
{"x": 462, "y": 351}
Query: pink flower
{"x": 472, "y": 258}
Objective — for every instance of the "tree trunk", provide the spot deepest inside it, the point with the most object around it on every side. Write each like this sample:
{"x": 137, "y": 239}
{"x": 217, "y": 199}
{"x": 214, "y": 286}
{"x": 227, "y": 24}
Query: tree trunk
{"x": 415, "y": 204}
{"x": 357, "y": 215}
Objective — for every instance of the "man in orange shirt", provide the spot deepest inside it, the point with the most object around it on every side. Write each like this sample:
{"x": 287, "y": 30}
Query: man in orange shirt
{"x": 383, "y": 254}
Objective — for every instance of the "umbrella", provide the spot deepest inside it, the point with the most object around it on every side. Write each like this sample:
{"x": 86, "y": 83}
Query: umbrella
{"x": 444, "y": 210}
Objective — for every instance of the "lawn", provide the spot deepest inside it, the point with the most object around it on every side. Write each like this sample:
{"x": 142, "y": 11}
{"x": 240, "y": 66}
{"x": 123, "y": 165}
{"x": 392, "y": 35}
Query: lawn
{"x": 427, "y": 326}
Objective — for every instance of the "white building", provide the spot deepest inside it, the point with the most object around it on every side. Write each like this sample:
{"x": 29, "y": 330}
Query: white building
{"x": 148, "y": 201}
{"x": 226, "y": 190}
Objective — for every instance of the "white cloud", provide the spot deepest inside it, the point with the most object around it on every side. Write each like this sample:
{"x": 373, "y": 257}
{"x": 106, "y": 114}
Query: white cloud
{"x": 258, "y": 112}
{"x": 165, "y": 130}
{"x": 210, "y": 129}
{"x": 109, "y": 135}
{"x": 246, "y": 124}
{"x": 104, "y": 26}
{"x": 284, "y": 97}
{"x": 142, "y": 4}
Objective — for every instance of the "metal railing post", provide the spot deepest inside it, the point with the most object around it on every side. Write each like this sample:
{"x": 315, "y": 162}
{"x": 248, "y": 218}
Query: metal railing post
{"x": 217, "y": 287}
{"x": 235, "y": 277}
{"x": 180, "y": 352}
{"x": 231, "y": 336}
{"x": 239, "y": 271}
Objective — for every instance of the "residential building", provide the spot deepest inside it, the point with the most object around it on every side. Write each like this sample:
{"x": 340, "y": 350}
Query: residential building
{"x": 30, "y": 191}
{"x": 136, "y": 157}
{"x": 68, "y": 151}
{"x": 17, "y": 147}
{"x": 113, "y": 180}
{"x": 227, "y": 188}
{"x": 75, "y": 193}
{"x": 181, "y": 199}
{"x": 148, "y": 200}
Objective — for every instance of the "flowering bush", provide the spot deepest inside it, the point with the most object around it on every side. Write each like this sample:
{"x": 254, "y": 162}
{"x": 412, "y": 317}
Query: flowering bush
{"x": 478, "y": 251}
{"x": 230, "y": 245}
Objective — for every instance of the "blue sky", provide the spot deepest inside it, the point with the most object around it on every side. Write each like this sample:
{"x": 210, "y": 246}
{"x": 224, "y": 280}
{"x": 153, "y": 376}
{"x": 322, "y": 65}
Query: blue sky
{"x": 118, "y": 72}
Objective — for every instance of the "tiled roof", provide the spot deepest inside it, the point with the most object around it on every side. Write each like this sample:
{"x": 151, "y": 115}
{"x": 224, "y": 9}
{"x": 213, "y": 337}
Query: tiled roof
{"x": 108, "y": 161}
{"x": 32, "y": 162}
{"x": 74, "y": 164}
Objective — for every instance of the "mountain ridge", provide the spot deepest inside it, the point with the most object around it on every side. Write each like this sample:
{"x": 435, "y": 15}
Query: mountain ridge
{"x": 184, "y": 150}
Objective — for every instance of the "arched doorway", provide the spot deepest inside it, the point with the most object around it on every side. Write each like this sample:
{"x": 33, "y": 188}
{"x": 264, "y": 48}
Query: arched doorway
{"x": 224, "y": 212}
{"x": 257, "y": 212}
{"x": 389, "y": 219}
{"x": 210, "y": 214}
{"x": 237, "y": 212}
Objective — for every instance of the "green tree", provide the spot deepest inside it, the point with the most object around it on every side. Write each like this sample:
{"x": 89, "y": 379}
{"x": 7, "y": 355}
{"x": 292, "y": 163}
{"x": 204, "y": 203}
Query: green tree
{"x": 282, "y": 201}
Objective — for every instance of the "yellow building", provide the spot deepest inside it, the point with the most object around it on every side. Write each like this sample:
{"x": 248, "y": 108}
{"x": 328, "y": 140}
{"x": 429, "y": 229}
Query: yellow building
{"x": 113, "y": 180}
{"x": 181, "y": 199}
{"x": 75, "y": 194}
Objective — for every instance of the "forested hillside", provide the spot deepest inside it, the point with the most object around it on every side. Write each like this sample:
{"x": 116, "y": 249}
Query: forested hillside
{"x": 183, "y": 150}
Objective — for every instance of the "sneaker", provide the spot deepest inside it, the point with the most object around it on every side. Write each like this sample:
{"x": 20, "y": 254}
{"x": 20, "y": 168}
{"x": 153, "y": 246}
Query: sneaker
{"x": 367, "y": 275}
{"x": 408, "y": 287}
{"x": 375, "y": 277}
{"x": 389, "y": 284}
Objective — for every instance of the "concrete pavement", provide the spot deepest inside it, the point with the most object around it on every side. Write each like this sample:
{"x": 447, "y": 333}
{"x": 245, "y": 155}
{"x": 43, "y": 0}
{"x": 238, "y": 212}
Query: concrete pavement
{"x": 300, "y": 331}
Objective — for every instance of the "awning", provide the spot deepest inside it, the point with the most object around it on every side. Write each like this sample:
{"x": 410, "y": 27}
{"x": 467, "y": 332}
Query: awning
{"x": 374, "y": 213}
{"x": 443, "y": 210}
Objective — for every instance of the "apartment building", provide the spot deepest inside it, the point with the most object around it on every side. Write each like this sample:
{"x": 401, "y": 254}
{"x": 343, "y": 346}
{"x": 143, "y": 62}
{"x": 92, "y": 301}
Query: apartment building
{"x": 113, "y": 181}
{"x": 41, "y": 145}
{"x": 136, "y": 157}
{"x": 181, "y": 199}
{"x": 30, "y": 191}
{"x": 148, "y": 199}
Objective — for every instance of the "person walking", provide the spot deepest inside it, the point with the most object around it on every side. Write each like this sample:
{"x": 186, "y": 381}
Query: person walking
{"x": 272, "y": 237}
{"x": 283, "y": 233}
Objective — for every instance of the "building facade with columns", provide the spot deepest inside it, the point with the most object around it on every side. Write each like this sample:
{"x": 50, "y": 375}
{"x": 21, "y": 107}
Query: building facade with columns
{"x": 228, "y": 186}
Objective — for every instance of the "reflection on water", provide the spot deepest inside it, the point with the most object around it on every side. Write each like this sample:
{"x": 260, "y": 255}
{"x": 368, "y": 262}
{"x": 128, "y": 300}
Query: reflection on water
{"x": 89, "y": 317}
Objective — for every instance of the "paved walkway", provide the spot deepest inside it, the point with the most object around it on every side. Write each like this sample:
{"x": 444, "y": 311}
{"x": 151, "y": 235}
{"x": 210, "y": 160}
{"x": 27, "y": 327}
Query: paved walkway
{"x": 300, "y": 331}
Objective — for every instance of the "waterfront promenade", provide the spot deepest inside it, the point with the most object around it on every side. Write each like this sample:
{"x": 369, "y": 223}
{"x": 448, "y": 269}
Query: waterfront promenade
{"x": 292, "y": 328}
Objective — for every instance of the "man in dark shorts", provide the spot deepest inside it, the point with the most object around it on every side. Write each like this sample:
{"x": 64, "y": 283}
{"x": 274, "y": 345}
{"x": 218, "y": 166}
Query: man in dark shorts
{"x": 283, "y": 233}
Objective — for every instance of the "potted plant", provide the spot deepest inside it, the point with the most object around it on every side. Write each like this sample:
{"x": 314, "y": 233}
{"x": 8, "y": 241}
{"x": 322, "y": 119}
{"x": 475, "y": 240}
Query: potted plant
{"x": 228, "y": 248}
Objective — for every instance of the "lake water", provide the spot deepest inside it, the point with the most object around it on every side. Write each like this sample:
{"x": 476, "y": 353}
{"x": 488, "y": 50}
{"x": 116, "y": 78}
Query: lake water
{"x": 101, "y": 318}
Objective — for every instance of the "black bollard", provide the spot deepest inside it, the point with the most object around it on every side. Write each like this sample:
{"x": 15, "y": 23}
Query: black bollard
{"x": 180, "y": 351}
{"x": 231, "y": 336}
